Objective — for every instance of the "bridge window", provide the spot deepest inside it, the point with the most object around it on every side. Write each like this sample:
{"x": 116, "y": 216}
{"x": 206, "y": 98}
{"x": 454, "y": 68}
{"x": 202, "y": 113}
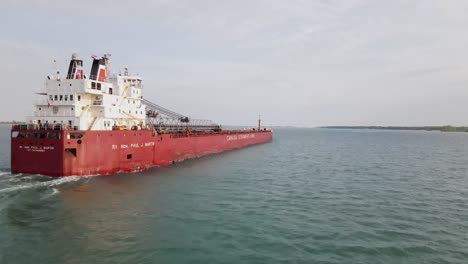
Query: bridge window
{"x": 61, "y": 97}
{"x": 66, "y": 97}
{"x": 51, "y": 97}
{"x": 71, "y": 97}
{"x": 79, "y": 98}
{"x": 56, "y": 97}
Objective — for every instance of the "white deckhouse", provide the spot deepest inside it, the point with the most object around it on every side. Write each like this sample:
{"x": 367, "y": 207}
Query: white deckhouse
{"x": 99, "y": 101}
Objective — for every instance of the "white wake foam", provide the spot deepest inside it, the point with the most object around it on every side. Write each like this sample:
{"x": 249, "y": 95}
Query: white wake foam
{"x": 54, "y": 192}
{"x": 51, "y": 183}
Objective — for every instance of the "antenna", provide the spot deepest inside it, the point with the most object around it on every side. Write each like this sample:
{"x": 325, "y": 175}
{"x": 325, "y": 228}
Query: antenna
{"x": 55, "y": 75}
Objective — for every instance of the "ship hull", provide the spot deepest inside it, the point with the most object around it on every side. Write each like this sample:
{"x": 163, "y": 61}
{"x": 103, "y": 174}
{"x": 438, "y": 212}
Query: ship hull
{"x": 66, "y": 153}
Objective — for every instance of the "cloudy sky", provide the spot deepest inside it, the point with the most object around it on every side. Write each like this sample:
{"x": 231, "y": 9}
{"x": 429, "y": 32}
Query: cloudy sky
{"x": 295, "y": 62}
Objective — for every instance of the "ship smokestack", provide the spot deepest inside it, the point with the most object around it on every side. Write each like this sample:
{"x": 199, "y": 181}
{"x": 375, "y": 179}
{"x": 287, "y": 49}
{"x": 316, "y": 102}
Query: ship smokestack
{"x": 75, "y": 70}
{"x": 99, "y": 68}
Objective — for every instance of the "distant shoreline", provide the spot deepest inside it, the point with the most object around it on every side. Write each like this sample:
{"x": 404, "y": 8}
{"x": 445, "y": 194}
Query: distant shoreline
{"x": 418, "y": 128}
{"x": 10, "y": 123}
{"x": 415, "y": 128}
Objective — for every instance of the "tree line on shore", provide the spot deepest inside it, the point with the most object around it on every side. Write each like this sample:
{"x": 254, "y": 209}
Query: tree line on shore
{"x": 423, "y": 128}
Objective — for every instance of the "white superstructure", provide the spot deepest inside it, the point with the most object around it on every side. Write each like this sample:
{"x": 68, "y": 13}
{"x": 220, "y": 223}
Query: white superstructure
{"x": 99, "y": 101}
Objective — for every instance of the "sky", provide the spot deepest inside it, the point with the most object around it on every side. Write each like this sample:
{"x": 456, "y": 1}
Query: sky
{"x": 296, "y": 63}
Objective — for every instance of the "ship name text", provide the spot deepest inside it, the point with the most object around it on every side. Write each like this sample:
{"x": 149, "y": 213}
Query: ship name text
{"x": 241, "y": 136}
{"x": 36, "y": 148}
{"x": 133, "y": 145}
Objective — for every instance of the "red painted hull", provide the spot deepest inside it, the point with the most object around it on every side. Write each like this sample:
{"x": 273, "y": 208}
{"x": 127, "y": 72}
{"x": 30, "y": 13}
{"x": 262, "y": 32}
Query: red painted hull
{"x": 108, "y": 152}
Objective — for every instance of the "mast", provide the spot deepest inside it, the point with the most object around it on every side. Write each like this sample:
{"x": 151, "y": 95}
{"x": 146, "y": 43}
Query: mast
{"x": 259, "y": 122}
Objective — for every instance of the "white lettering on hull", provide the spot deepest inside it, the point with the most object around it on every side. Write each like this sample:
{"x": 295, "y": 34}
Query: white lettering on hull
{"x": 133, "y": 145}
{"x": 241, "y": 136}
{"x": 36, "y": 148}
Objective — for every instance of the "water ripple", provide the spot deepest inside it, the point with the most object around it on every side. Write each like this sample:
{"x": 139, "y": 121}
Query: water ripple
{"x": 310, "y": 196}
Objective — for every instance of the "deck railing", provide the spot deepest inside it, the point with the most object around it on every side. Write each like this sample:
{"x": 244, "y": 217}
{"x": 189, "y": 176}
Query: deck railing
{"x": 44, "y": 127}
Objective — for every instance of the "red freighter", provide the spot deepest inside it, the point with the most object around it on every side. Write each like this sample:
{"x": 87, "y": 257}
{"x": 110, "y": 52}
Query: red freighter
{"x": 100, "y": 124}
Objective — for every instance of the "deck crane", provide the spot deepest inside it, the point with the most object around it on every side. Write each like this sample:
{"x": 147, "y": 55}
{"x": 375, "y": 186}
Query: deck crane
{"x": 163, "y": 119}
{"x": 159, "y": 109}
{"x": 141, "y": 121}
